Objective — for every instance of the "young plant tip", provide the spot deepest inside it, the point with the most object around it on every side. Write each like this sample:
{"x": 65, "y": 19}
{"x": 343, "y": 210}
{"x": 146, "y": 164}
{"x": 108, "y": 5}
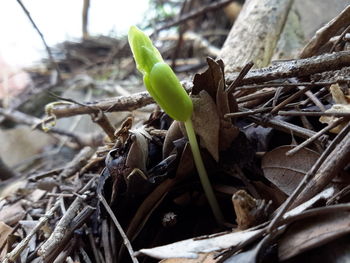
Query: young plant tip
{"x": 166, "y": 89}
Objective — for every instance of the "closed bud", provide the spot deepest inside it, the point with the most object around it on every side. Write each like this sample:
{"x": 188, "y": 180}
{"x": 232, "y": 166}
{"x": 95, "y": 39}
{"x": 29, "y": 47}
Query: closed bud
{"x": 160, "y": 80}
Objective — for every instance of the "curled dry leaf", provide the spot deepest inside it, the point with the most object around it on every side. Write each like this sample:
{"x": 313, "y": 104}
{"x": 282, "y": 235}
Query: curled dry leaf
{"x": 206, "y": 123}
{"x": 213, "y": 82}
{"x": 286, "y": 172}
{"x": 138, "y": 153}
{"x": 313, "y": 232}
{"x": 174, "y": 132}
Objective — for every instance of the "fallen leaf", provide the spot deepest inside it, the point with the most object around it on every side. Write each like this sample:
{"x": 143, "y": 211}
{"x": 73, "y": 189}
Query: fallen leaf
{"x": 12, "y": 186}
{"x": 313, "y": 232}
{"x": 336, "y": 108}
{"x": 286, "y": 172}
{"x": 206, "y": 123}
{"x": 209, "y": 79}
{"x": 5, "y": 231}
{"x": 138, "y": 152}
{"x": 191, "y": 248}
{"x": 11, "y": 214}
{"x": 174, "y": 132}
{"x": 213, "y": 82}
{"x": 36, "y": 195}
{"x": 338, "y": 95}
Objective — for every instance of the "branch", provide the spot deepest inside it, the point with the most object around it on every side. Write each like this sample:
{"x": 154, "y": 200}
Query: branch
{"x": 287, "y": 69}
{"x": 48, "y": 50}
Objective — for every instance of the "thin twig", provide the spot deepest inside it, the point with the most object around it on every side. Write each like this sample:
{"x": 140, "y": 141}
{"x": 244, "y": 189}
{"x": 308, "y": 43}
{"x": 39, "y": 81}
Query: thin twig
{"x": 340, "y": 38}
{"x": 295, "y": 68}
{"x": 22, "y": 118}
{"x": 247, "y": 112}
{"x": 61, "y": 229}
{"x": 285, "y": 127}
{"x": 78, "y": 162}
{"x": 314, "y": 137}
{"x": 287, "y": 84}
{"x": 120, "y": 229}
{"x": 12, "y": 256}
{"x": 314, "y": 113}
{"x": 102, "y": 120}
{"x": 290, "y": 99}
{"x": 240, "y": 77}
{"x": 48, "y": 50}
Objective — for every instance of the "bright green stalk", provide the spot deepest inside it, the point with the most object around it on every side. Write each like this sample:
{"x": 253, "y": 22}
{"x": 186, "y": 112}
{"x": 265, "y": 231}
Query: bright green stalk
{"x": 208, "y": 190}
{"x": 165, "y": 88}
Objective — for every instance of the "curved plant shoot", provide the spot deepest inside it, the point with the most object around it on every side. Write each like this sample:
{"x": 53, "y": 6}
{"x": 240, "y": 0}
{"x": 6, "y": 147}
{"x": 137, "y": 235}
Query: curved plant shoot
{"x": 166, "y": 89}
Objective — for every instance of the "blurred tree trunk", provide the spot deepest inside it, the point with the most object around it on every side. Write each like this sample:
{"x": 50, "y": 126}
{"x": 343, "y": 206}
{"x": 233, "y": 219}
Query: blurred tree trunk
{"x": 86, "y": 7}
{"x": 255, "y": 33}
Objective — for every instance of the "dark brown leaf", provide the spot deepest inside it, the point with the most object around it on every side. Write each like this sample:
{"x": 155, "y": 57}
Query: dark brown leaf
{"x": 206, "y": 123}
{"x": 286, "y": 172}
{"x": 313, "y": 232}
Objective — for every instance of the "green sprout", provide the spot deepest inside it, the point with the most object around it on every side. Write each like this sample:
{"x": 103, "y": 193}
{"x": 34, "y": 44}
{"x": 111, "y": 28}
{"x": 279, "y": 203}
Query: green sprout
{"x": 166, "y": 89}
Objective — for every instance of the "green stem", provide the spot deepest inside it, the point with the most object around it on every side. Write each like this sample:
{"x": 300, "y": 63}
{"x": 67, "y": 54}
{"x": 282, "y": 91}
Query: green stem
{"x": 208, "y": 190}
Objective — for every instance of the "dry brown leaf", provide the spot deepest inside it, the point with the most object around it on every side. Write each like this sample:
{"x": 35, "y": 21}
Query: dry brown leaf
{"x": 12, "y": 187}
{"x": 213, "y": 82}
{"x": 338, "y": 95}
{"x": 10, "y": 215}
{"x": 206, "y": 123}
{"x": 209, "y": 80}
{"x": 138, "y": 153}
{"x": 286, "y": 172}
{"x": 36, "y": 195}
{"x": 174, "y": 132}
{"x": 336, "y": 108}
{"x": 313, "y": 232}
{"x": 5, "y": 231}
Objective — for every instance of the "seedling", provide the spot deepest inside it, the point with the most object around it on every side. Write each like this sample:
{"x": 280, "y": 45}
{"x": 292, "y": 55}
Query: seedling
{"x": 166, "y": 89}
